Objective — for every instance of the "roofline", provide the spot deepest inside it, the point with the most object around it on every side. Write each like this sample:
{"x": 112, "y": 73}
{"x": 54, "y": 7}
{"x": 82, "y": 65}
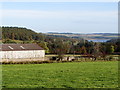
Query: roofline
{"x": 23, "y": 50}
{"x": 21, "y": 45}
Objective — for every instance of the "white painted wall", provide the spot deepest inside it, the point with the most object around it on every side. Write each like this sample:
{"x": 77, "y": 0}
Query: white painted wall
{"x": 22, "y": 54}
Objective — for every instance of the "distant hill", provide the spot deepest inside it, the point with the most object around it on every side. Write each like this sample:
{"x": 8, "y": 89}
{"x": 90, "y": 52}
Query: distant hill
{"x": 115, "y": 40}
{"x": 19, "y": 33}
{"x": 58, "y": 42}
{"x": 24, "y": 34}
{"x": 88, "y": 36}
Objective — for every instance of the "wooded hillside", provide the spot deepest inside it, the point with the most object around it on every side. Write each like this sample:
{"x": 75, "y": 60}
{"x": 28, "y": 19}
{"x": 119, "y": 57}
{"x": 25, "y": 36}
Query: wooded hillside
{"x": 16, "y": 33}
{"x": 58, "y": 45}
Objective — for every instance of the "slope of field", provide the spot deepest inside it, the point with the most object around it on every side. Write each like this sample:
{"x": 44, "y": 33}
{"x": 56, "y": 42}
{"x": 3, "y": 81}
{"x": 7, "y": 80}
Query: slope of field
{"x": 87, "y": 36}
{"x": 61, "y": 75}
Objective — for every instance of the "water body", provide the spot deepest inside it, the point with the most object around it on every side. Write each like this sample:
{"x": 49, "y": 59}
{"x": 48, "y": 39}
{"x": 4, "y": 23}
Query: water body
{"x": 99, "y": 40}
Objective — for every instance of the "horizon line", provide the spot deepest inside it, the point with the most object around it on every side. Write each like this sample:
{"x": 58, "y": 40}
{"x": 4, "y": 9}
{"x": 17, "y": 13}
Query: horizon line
{"x": 58, "y": 31}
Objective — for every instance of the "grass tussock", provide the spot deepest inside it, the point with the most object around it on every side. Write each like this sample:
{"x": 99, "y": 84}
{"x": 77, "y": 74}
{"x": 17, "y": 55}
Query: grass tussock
{"x": 54, "y": 61}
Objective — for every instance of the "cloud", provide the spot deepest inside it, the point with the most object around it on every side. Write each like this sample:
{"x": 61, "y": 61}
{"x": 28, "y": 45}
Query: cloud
{"x": 73, "y": 21}
{"x": 58, "y": 14}
{"x": 55, "y": 20}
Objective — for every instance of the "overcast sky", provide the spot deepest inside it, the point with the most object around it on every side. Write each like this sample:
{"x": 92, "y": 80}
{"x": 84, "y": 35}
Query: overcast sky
{"x": 75, "y": 17}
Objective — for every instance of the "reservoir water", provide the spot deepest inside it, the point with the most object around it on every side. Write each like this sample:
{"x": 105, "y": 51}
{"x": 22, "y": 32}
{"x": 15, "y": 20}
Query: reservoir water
{"x": 99, "y": 40}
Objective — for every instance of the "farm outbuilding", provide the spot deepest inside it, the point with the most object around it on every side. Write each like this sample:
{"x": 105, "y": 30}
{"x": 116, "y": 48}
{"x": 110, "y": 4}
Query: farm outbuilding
{"x": 21, "y": 51}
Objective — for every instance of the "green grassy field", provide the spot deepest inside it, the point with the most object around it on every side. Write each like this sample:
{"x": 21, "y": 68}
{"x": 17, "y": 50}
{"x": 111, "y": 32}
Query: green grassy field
{"x": 61, "y": 75}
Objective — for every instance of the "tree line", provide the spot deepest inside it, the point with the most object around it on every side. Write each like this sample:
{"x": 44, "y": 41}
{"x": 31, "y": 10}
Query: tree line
{"x": 59, "y": 45}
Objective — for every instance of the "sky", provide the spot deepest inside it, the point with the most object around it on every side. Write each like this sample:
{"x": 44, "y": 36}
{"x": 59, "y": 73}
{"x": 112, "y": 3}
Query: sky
{"x": 73, "y": 17}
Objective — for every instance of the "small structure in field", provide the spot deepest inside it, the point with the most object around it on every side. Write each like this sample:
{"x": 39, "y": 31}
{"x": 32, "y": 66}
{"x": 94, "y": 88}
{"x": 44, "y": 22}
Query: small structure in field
{"x": 21, "y": 51}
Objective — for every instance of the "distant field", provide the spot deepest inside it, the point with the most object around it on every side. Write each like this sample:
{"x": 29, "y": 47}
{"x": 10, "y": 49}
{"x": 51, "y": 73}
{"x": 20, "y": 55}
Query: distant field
{"x": 88, "y": 36}
{"x": 61, "y": 75}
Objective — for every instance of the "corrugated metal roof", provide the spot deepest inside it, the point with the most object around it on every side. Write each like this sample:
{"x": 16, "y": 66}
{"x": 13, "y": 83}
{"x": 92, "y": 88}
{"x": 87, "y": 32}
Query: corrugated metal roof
{"x": 20, "y": 47}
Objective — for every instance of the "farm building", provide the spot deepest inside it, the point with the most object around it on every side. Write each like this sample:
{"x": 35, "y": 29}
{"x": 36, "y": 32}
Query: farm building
{"x": 21, "y": 51}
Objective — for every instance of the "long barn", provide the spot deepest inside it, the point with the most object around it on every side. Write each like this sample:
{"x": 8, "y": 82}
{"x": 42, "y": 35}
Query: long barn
{"x": 21, "y": 51}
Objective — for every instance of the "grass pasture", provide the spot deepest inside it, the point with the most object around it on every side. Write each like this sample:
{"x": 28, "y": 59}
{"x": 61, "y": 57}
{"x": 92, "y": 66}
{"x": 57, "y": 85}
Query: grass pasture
{"x": 61, "y": 75}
